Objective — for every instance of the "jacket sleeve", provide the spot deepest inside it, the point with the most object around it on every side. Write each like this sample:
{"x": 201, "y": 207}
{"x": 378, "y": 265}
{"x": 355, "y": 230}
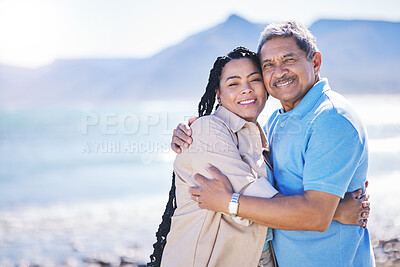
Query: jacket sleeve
{"x": 214, "y": 143}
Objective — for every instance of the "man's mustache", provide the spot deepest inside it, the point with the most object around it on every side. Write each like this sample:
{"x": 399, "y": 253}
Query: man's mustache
{"x": 283, "y": 80}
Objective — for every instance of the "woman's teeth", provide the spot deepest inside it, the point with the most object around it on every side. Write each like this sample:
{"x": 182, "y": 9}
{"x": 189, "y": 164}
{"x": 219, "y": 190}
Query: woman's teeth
{"x": 247, "y": 101}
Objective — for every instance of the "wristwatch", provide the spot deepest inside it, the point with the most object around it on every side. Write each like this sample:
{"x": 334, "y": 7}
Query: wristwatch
{"x": 234, "y": 204}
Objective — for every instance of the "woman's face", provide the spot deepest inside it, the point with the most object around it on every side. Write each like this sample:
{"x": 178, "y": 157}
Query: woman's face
{"x": 242, "y": 89}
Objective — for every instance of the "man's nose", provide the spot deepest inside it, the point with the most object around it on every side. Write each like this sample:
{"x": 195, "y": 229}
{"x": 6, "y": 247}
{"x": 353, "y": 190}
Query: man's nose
{"x": 280, "y": 70}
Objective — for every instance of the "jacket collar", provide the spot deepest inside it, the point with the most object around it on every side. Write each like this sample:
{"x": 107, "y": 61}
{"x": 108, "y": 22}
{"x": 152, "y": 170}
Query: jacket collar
{"x": 236, "y": 123}
{"x": 233, "y": 121}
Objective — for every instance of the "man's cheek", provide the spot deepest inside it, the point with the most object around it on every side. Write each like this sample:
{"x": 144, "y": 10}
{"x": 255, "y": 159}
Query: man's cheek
{"x": 267, "y": 80}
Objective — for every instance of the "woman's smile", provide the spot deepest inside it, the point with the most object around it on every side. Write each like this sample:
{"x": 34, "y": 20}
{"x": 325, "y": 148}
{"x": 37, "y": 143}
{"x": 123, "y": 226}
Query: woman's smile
{"x": 247, "y": 102}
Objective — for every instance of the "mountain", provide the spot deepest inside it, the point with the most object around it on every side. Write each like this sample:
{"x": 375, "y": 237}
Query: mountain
{"x": 358, "y": 57}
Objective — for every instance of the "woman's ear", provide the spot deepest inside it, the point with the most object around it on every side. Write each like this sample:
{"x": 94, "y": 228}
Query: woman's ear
{"x": 218, "y": 96}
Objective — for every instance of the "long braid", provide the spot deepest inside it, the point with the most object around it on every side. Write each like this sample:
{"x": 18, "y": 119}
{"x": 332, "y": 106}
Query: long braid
{"x": 205, "y": 107}
{"x": 207, "y": 101}
{"x": 163, "y": 228}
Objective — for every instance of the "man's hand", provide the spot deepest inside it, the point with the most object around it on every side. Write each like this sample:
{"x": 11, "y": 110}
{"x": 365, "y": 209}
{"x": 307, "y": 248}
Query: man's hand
{"x": 212, "y": 194}
{"x": 181, "y": 136}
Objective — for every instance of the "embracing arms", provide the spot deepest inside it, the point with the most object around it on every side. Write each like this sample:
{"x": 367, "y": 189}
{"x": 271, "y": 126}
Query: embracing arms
{"x": 313, "y": 210}
{"x": 214, "y": 143}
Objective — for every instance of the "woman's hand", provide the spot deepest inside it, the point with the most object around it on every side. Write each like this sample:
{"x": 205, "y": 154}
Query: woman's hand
{"x": 181, "y": 136}
{"x": 353, "y": 209}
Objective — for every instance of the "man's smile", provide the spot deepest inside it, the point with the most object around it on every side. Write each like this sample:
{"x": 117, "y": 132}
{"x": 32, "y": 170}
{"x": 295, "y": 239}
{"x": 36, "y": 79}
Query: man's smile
{"x": 284, "y": 81}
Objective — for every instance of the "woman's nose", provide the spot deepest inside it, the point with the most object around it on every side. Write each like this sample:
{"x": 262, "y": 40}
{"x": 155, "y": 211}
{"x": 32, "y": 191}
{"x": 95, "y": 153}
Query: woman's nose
{"x": 247, "y": 88}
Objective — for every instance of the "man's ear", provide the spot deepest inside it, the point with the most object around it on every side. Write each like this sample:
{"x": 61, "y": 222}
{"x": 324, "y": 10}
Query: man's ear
{"x": 316, "y": 59}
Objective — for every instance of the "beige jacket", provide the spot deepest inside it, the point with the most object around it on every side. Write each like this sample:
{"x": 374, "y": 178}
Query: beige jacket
{"x": 206, "y": 238}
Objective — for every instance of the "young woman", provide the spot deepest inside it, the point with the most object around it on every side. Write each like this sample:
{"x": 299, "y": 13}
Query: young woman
{"x": 233, "y": 141}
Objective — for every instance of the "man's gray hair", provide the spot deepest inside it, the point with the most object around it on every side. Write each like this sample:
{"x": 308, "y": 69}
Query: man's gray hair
{"x": 304, "y": 38}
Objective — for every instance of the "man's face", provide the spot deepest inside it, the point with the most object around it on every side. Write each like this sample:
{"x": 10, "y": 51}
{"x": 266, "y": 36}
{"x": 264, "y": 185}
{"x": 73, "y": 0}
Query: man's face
{"x": 287, "y": 73}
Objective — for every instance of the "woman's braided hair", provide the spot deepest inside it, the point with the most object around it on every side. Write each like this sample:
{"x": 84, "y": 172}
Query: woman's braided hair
{"x": 205, "y": 107}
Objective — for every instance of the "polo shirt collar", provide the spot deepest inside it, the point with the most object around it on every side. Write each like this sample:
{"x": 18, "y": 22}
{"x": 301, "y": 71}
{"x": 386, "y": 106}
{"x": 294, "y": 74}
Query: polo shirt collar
{"x": 309, "y": 100}
{"x": 233, "y": 121}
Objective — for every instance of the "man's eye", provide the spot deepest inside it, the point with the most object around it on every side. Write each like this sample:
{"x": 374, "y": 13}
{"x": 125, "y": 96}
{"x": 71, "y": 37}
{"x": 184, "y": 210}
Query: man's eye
{"x": 289, "y": 60}
{"x": 268, "y": 65}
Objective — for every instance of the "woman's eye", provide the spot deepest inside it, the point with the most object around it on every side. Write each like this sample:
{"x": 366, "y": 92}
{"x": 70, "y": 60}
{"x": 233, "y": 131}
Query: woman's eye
{"x": 232, "y": 84}
{"x": 256, "y": 80}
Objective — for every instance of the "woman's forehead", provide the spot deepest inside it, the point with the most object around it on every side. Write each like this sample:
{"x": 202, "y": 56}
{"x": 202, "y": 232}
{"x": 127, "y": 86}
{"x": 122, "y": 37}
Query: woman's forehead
{"x": 241, "y": 65}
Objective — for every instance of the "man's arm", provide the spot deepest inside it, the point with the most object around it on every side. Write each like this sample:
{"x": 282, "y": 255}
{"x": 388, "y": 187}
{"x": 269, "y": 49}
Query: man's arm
{"x": 312, "y": 211}
{"x": 281, "y": 212}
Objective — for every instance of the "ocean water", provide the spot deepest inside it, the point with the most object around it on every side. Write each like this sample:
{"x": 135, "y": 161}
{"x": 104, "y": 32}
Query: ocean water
{"x": 92, "y": 182}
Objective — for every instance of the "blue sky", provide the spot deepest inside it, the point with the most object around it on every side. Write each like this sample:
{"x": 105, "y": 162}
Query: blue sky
{"x": 36, "y": 32}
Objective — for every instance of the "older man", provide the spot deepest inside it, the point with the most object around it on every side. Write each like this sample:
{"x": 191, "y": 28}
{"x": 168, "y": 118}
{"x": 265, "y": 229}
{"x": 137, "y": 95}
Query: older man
{"x": 319, "y": 152}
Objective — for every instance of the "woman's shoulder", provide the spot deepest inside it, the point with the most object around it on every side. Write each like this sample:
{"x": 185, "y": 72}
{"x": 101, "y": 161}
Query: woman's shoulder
{"x": 208, "y": 133}
{"x": 210, "y": 124}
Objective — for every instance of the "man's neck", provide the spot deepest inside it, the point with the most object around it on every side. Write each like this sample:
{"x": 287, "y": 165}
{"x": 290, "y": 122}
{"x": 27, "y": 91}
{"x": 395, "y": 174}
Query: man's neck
{"x": 288, "y": 106}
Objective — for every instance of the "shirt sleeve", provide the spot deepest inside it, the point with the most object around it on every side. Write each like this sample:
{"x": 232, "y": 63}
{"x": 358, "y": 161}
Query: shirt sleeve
{"x": 333, "y": 154}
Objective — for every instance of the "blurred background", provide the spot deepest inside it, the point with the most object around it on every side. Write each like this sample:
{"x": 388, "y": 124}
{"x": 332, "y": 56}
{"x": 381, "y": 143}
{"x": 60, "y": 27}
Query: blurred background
{"x": 91, "y": 90}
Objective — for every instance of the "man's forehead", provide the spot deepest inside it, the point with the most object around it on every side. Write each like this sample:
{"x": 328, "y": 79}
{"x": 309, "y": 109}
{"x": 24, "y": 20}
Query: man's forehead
{"x": 280, "y": 47}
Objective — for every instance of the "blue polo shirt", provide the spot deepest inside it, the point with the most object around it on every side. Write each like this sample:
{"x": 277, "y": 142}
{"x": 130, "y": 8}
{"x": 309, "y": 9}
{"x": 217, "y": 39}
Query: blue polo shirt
{"x": 320, "y": 145}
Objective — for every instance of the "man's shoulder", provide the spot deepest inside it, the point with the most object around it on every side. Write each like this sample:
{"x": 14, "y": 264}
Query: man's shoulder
{"x": 333, "y": 109}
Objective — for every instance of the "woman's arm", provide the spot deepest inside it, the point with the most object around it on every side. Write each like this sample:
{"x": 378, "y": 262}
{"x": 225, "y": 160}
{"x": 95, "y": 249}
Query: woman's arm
{"x": 213, "y": 142}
